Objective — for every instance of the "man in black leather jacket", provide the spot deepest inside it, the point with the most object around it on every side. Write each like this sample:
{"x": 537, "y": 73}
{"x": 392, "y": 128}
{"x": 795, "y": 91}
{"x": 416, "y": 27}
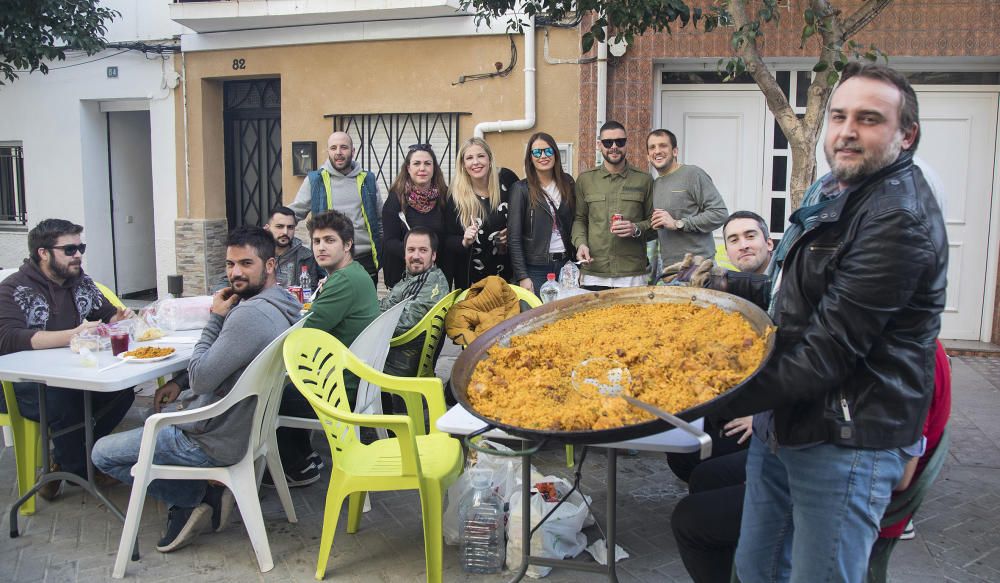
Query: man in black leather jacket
{"x": 858, "y": 288}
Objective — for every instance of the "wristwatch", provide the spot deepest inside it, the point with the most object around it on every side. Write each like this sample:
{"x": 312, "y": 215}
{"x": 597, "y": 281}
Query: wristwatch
{"x": 679, "y": 225}
{"x": 636, "y": 231}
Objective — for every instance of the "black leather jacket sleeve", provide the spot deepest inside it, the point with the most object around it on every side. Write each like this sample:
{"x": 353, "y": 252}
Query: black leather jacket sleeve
{"x": 754, "y": 287}
{"x": 874, "y": 278}
{"x": 516, "y": 227}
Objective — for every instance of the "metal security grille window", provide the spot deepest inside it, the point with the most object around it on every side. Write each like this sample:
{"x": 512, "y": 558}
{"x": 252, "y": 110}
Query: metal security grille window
{"x": 381, "y": 140}
{"x": 12, "y": 185}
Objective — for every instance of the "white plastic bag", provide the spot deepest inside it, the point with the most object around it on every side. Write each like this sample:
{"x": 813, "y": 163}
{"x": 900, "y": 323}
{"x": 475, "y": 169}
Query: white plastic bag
{"x": 506, "y": 474}
{"x": 183, "y": 313}
{"x": 560, "y": 537}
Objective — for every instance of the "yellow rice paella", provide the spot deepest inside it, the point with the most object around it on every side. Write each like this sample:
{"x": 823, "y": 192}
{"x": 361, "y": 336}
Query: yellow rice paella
{"x": 674, "y": 356}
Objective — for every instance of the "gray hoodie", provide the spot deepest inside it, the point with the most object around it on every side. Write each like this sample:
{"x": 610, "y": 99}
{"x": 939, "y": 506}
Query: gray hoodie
{"x": 226, "y": 347}
{"x": 344, "y": 193}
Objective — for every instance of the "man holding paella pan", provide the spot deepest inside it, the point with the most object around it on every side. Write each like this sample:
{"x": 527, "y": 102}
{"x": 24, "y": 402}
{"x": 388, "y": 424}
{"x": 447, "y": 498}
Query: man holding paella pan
{"x": 856, "y": 289}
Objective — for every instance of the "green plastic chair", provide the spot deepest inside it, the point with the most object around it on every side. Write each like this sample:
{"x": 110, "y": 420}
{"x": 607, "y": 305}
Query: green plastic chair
{"x": 905, "y": 504}
{"x": 431, "y": 326}
{"x": 316, "y": 362}
{"x": 27, "y": 446}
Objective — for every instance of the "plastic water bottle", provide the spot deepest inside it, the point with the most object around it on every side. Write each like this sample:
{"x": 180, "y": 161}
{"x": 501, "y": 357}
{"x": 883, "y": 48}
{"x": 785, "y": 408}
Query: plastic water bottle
{"x": 550, "y": 289}
{"x": 305, "y": 282}
{"x": 481, "y": 519}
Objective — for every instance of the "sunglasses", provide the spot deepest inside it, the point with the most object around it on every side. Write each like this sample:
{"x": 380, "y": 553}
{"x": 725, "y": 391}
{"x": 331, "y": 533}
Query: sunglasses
{"x": 421, "y": 147}
{"x": 539, "y": 152}
{"x": 70, "y": 250}
{"x": 620, "y": 142}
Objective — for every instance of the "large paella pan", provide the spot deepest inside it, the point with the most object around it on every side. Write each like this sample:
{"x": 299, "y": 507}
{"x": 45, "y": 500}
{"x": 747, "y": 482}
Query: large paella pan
{"x": 586, "y": 349}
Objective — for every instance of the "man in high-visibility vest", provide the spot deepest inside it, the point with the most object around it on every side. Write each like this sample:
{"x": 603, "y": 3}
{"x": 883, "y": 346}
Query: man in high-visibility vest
{"x": 342, "y": 185}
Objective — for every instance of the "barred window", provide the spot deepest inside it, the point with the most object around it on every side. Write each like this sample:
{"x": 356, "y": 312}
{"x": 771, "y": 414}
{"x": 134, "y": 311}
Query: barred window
{"x": 382, "y": 140}
{"x": 12, "y": 184}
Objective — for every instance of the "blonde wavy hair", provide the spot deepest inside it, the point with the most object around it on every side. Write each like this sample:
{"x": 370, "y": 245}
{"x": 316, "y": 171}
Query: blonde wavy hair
{"x": 461, "y": 189}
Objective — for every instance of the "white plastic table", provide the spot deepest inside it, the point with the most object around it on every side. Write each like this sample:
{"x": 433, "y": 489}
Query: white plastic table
{"x": 459, "y": 422}
{"x": 61, "y": 367}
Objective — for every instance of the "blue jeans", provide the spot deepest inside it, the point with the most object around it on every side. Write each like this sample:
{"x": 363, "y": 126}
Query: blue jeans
{"x": 538, "y": 273}
{"x": 64, "y": 408}
{"x": 117, "y": 453}
{"x": 811, "y": 515}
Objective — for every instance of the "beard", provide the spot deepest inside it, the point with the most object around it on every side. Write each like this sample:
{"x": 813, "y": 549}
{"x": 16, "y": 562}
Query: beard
{"x": 283, "y": 241}
{"x": 416, "y": 267}
{"x": 872, "y": 160}
{"x": 249, "y": 289}
{"x": 68, "y": 271}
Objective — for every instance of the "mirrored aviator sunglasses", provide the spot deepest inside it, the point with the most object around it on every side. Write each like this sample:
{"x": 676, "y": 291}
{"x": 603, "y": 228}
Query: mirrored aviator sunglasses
{"x": 539, "y": 152}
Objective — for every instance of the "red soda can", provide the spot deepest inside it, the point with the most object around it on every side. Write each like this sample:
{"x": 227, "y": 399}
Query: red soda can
{"x": 615, "y": 218}
{"x": 297, "y": 292}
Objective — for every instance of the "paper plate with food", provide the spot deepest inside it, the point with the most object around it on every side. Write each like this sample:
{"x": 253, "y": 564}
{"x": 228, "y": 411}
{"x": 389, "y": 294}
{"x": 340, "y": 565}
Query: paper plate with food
{"x": 148, "y": 354}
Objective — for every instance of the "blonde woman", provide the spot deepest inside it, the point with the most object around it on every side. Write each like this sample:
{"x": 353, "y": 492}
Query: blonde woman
{"x": 476, "y": 215}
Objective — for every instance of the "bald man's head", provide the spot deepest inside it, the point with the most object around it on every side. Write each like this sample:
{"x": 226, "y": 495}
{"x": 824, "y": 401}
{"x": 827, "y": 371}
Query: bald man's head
{"x": 340, "y": 149}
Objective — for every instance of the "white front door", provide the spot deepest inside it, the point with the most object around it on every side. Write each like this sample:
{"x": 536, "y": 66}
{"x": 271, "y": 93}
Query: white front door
{"x": 958, "y": 141}
{"x": 722, "y": 132}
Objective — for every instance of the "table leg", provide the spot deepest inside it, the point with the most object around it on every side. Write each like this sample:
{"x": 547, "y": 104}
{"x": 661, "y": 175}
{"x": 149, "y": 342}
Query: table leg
{"x": 525, "y": 519}
{"x": 48, "y": 476}
{"x": 612, "y": 512}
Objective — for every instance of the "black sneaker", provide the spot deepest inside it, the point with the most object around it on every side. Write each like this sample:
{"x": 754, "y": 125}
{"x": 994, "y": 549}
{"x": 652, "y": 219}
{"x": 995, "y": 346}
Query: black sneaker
{"x": 316, "y": 460}
{"x": 221, "y": 500}
{"x": 183, "y": 526}
{"x": 295, "y": 478}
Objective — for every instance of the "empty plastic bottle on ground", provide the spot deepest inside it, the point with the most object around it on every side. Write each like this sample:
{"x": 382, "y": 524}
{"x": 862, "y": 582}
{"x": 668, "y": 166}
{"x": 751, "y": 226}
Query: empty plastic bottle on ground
{"x": 481, "y": 519}
{"x": 550, "y": 289}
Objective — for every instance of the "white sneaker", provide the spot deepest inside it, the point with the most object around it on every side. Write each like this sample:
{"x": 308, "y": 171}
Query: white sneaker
{"x": 909, "y": 533}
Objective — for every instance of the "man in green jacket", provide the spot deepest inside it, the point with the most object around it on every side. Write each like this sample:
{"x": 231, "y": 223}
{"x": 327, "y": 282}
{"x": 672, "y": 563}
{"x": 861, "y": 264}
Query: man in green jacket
{"x": 614, "y": 204}
{"x": 424, "y": 284}
{"x": 343, "y": 305}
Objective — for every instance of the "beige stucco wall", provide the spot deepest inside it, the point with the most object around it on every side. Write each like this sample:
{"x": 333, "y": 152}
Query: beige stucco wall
{"x": 373, "y": 77}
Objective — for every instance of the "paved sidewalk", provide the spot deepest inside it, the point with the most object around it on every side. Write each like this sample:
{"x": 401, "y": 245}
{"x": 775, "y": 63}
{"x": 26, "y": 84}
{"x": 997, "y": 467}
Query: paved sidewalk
{"x": 74, "y": 539}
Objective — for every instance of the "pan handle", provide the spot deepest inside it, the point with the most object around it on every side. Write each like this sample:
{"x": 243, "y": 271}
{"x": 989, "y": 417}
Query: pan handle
{"x": 471, "y": 439}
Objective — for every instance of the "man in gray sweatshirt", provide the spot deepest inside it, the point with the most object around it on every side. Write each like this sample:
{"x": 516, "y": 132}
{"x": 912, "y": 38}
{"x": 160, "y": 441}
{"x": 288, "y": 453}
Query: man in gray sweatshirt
{"x": 245, "y": 318}
{"x": 342, "y": 185}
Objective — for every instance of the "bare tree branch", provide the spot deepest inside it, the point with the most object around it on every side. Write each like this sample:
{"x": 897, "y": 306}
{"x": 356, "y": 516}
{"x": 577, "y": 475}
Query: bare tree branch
{"x": 775, "y": 97}
{"x": 862, "y": 16}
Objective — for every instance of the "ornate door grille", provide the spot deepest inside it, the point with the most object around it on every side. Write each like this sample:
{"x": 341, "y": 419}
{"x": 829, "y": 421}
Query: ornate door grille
{"x": 381, "y": 140}
{"x": 252, "y": 122}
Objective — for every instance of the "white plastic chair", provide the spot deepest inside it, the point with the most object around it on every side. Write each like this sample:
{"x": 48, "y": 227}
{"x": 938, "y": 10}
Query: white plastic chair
{"x": 263, "y": 378}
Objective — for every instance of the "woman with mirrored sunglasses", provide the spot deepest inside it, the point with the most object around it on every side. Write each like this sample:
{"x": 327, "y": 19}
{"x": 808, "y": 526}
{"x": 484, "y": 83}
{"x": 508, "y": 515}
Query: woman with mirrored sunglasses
{"x": 476, "y": 215}
{"x": 416, "y": 199}
{"x": 541, "y": 215}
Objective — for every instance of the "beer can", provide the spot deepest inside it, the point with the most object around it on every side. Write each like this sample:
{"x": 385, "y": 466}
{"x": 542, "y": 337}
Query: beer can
{"x": 297, "y": 292}
{"x": 616, "y": 217}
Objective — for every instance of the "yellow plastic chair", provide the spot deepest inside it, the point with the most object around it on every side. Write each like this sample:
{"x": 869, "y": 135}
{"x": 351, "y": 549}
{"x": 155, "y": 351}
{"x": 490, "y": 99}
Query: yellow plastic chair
{"x": 522, "y": 295}
{"x": 316, "y": 362}
{"x": 27, "y": 446}
{"x": 431, "y": 326}
{"x": 110, "y": 295}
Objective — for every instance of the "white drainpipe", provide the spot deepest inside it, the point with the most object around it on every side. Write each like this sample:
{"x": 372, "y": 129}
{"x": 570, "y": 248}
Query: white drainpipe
{"x": 529, "y": 92}
{"x": 602, "y": 86}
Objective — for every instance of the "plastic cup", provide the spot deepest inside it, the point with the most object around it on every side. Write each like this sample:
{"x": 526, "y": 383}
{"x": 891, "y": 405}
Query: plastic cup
{"x": 119, "y": 342}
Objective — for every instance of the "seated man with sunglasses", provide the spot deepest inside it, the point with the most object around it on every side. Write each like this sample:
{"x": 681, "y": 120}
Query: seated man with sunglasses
{"x": 43, "y": 305}
{"x": 614, "y": 205}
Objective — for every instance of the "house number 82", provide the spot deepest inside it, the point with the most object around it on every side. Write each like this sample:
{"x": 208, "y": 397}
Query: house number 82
{"x": 239, "y": 64}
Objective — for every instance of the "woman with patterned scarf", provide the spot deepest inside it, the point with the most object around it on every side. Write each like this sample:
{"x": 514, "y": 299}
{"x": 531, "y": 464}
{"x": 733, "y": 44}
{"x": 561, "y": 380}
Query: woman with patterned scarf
{"x": 416, "y": 199}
